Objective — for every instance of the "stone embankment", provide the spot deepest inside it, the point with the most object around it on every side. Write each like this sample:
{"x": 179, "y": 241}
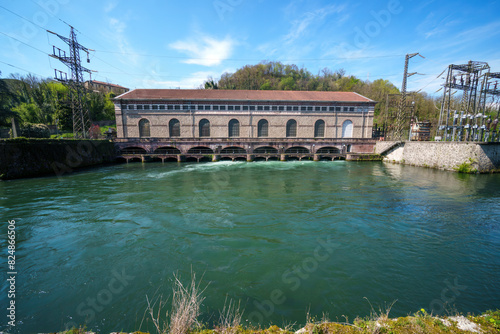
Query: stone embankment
{"x": 468, "y": 157}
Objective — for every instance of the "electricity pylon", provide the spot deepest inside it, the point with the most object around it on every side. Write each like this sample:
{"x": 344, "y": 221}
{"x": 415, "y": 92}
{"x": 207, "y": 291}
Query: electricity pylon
{"x": 81, "y": 117}
{"x": 401, "y": 119}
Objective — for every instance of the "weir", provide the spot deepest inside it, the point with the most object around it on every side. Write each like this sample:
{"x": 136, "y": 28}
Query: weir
{"x": 250, "y": 149}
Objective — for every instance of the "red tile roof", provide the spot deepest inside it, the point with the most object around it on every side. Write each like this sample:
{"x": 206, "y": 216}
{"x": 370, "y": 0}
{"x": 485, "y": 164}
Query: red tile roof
{"x": 106, "y": 84}
{"x": 241, "y": 95}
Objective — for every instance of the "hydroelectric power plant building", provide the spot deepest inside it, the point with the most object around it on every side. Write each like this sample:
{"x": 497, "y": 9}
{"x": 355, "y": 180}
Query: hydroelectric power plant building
{"x": 248, "y": 123}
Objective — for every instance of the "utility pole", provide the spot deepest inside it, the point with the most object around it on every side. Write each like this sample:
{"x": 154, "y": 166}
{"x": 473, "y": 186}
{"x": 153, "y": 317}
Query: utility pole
{"x": 402, "y": 115}
{"x": 81, "y": 117}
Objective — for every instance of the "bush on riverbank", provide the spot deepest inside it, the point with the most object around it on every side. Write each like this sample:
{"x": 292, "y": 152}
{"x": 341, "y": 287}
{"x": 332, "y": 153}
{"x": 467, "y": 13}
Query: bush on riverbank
{"x": 30, "y": 130}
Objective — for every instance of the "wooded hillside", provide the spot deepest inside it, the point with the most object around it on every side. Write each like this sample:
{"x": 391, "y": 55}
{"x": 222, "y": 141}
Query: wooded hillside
{"x": 278, "y": 76}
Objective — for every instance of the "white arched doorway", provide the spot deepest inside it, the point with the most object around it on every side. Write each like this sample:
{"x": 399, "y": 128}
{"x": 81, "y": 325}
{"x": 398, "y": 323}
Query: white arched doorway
{"x": 347, "y": 129}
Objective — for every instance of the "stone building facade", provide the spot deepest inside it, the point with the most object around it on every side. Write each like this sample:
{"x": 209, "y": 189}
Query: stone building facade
{"x": 189, "y": 113}
{"x": 104, "y": 87}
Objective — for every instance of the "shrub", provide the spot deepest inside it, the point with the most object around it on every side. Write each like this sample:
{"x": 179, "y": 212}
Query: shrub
{"x": 94, "y": 131}
{"x": 34, "y": 131}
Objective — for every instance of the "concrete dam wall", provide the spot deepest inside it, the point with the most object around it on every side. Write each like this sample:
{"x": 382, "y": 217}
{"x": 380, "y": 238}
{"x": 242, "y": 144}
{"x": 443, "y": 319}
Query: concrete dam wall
{"x": 452, "y": 156}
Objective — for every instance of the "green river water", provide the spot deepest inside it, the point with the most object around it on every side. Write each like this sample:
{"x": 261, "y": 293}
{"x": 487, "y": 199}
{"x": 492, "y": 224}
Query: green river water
{"x": 281, "y": 238}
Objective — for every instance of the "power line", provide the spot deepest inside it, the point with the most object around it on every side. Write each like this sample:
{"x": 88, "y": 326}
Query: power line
{"x": 39, "y": 26}
{"x": 22, "y": 69}
{"x": 51, "y": 14}
{"x": 431, "y": 81}
{"x": 25, "y": 43}
{"x": 244, "y": 59}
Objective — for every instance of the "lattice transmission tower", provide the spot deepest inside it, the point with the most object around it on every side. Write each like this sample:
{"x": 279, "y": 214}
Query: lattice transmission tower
{"x": 81, "y": 116}
{"x": 404, "y": 108}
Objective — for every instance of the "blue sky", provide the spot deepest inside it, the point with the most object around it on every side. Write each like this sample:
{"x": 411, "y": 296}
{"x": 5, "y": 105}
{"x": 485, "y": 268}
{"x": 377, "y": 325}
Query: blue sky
{"x": 171, "y": 44}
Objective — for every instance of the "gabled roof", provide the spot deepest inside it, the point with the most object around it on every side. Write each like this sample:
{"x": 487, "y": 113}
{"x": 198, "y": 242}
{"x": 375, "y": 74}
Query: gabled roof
{"x": 106, "y": 84}
{"x": 241, "y": 95}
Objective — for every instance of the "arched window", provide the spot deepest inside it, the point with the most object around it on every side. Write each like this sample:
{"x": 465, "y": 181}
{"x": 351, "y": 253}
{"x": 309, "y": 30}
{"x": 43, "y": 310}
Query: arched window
{"x": 204, "y": 128}
{"x": 174, "y": 128}
{"x": 347, "y": 129}
{"x": 144, "y": 128}
{"x": 319, "y": 128}
{"x": 262, "y": 128}
{"x": 234, "y": 128}
{"x": 291, "y": 128}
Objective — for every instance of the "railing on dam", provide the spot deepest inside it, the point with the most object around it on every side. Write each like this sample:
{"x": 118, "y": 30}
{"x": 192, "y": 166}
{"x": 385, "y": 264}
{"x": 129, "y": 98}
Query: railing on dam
{"x": 228, "y": 157}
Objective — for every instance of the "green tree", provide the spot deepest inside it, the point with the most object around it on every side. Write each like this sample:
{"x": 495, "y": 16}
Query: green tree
{"x": 7, "y": 100}
{"x": 100, "y": 107}
{"x": 210, "y": 84}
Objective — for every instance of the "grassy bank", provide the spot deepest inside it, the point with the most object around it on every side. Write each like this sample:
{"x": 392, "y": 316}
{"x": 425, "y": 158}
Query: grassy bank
{"x": 182, "y": 318}
{"x": 421, "y": 322}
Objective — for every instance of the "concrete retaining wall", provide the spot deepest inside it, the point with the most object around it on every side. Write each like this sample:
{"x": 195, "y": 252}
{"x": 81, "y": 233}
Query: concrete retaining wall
{"x": 482, "y": 157}
{"x": 22, "y": 157}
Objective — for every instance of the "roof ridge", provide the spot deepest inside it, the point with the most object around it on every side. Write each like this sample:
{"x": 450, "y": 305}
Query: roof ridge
{"x": 242, "y": 95}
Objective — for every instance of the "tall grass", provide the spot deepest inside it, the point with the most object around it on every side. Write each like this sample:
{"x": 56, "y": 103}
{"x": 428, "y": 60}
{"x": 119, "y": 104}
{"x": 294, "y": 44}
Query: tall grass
{"x": 186, "y": 302}
{"x": 230, "y": 318}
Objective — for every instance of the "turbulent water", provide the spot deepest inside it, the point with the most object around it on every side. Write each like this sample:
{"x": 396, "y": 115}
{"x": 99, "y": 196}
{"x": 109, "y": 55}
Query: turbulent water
{"x": 283, "y": 239}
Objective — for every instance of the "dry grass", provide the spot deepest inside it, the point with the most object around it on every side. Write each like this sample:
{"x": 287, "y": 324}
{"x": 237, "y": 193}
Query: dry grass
{"x": 186, "y": 302}
{"x": 230, "y": 318}
{"x": 159, "y": 321}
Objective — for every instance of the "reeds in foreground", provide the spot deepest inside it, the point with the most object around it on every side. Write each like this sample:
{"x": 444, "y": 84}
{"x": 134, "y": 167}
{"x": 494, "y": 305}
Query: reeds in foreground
{"x": 186, "y": 302}
{"x": 230, "y": 318}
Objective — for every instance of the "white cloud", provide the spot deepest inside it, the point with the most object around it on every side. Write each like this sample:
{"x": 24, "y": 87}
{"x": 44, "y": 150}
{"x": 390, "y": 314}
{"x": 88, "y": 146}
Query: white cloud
{"x": 116, "y": 33}
{"x": 205, "y": 50}
{"x": 117, "y": 25}
{"x": 300, "y": 26}
{"x": 109, "y": 6}
{"x": 194, "y": 80}
{"x": 433, "y": 25}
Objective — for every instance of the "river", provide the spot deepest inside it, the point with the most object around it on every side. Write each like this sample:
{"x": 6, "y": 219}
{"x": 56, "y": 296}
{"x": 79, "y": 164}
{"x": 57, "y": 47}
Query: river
{"x": 283, "y": 239}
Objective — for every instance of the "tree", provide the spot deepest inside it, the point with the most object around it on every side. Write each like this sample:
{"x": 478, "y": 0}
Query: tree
{"x": 210, "y": 83}
{"x": 7, "y": 100}
{"x": 100, "y": 107}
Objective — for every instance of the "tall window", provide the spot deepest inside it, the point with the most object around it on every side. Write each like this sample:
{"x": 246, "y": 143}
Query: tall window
{"x": 234, "y": 128}
{"x": 262, "y": 128}
{"x": 291, "y": 128}
{"x": 204, "y": 128}
{"x": 144, "y": 128}
{"x": 174, "y": 127}
{"x": 347, "y": 129}
{"x": 319, "y": 128}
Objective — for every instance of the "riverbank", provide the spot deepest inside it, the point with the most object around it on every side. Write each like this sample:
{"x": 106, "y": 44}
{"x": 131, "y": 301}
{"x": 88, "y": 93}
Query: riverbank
{"x": 465, "y": 157}
{"x": 22, "y": 157}
{"x": 420, "y": 322}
